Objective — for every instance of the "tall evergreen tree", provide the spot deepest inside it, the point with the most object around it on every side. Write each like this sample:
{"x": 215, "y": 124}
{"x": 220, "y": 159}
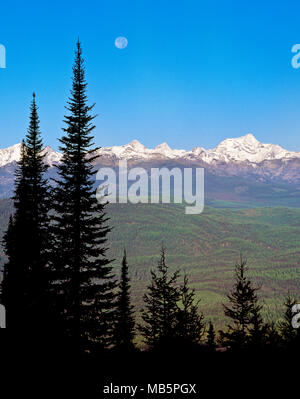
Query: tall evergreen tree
{"x": 25, "y": 288}
{"x": 243, "y": 305}
{"x": 272, "y": 336}
{"x": 211, "y": 337}
{"x": 124, "y": 324}
{"x": 84, "y": 282}
{"x": 160, "y": 311}
{"x": 258, "y": 330}
{"x": 189, "y": 324}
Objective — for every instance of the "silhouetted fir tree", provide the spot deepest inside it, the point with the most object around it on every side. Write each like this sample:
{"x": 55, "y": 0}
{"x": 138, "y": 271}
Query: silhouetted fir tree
{"x": 124, "y": 323}
{"x": 12, "y": 290}
{"x": 243, "y": 303}
{"x": 189, "y": 322}
{"x": 211, "y": 337}
{"x": 288, "y": 333}
{"x": 25, "y": 288}
{"x": 273, "y": 339}
{"x": 257, "y": 330}
{"x": 84, "y": 281}
{"x": 160, "y": 311}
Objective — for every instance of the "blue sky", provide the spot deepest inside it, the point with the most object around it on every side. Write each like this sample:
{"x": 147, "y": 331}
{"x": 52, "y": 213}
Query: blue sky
{"x": 193, "y": 74}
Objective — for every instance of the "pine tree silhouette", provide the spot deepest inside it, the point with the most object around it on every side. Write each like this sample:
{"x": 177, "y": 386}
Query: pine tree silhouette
{"x": 84, "y": 280}
{"x": 211, "y": 337}
{"x": 124, "y": 324}
{"x": 244, "y": 304}
{"x": 273, "y": 339}
{"x": 189, "y": 324}
{"x": 160, "y": 311}
{"x": 258, "y": 330}
{"x": 25, "y": 288}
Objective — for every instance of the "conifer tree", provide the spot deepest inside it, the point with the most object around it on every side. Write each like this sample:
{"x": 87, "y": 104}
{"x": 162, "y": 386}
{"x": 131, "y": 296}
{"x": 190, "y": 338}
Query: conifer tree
{"x": 25, "y": 288}
{"x": 124, "y": 324}
{"x": 189, "y": 323}
{"x": 211, "y": 337}
{"x": 160, "y": 311}
{"x": 258, "y": 330}
{"x": 243, "y": 303}
{"x": 84, "y": 282}
{"x": 272, "y": 338}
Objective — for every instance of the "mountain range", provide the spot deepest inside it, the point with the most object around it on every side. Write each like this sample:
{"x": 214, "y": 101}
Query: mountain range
{"x": 243, "y": 149}
{"x": 242, "y": 159}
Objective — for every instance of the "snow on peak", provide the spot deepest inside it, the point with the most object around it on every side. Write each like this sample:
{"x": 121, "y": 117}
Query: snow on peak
{"x": 12, "y": 154}
{"x": 136, "y": 145}
{"x": 163, "y": 147}
{"x": 248, "y": 140}
{"x": 51, "y": 157}
{"x": 241, "y": 149}
{"x": 249, "y": 137}
{"x": 248, "y": 148}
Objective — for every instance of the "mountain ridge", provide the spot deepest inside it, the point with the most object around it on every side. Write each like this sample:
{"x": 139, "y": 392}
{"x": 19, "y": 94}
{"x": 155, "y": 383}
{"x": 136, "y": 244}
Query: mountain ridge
{"x": 241, "y": 149}
{"x": 233, "y": 169}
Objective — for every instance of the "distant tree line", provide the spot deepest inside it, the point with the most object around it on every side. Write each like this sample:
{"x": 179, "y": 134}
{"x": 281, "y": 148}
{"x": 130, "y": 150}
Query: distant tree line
{"x": 59, "y": 282}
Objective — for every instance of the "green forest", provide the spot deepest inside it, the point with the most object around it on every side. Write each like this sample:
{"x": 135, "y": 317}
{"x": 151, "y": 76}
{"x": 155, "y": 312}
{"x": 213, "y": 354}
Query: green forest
{"x": 206, "y": 247}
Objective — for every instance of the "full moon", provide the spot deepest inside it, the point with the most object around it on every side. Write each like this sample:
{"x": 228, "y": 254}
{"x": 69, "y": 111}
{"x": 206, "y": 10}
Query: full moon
{"x": 121, "y": 42}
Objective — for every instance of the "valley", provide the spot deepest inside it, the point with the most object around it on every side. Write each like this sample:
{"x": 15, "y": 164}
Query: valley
{"x": 206, "y": 247}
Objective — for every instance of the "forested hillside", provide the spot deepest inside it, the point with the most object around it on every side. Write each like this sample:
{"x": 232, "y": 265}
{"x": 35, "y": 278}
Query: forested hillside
{"x": 206, "y": 246}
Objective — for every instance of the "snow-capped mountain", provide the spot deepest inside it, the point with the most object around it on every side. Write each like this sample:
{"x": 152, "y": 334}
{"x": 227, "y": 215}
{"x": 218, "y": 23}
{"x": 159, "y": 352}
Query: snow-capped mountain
{"x": 242, "y": 149}
{"x": 12, "y": 154}
{"x": 135, "y": 150}
{"x": 52, "y": 157}
{"x": 243, "y": 156}
{"x": 248, "y": 148}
